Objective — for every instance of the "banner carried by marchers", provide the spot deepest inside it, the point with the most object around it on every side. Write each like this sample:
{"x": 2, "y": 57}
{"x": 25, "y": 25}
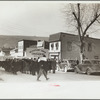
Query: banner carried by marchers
{"x": 36, "y": 52}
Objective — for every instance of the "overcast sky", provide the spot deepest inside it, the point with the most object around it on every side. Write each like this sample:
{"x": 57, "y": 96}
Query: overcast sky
{"x": 32, "y": 18}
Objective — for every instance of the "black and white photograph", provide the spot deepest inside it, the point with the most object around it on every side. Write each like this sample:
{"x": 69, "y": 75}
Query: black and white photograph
{"x": 49, "y": 50}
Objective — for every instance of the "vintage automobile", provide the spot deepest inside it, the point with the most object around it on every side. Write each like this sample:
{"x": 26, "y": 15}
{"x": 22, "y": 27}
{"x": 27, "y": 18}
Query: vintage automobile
{"x": 62, "y": 66}
{"x": 71, "y": 65}
{"x": 68, "y": 65}
{"x": 88, "y": 67}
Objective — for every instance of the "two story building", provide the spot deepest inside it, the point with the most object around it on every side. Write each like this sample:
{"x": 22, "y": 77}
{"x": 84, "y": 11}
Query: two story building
{"x": 67, "y": 46}
{"x": 23, "y": 45}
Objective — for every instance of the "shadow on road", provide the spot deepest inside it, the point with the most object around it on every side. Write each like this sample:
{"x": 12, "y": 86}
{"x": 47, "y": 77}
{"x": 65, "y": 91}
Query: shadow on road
{"x": 96, "y": 74}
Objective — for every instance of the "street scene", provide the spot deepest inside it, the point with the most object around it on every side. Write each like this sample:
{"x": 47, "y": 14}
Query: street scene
{"x": 49, "y": 50}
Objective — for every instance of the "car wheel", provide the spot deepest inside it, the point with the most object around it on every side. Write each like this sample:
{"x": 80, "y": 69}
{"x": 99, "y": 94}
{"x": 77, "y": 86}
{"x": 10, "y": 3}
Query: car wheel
{"x": 88, "y": 72}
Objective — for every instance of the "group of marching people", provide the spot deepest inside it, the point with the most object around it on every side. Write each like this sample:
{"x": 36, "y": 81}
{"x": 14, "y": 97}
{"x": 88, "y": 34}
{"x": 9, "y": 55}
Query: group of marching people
{"x": 31, "y": 66}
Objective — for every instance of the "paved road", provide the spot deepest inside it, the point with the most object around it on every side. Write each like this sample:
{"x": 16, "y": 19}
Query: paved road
{"x": 60, "y": 86}
{"x": 58, "y": 76}
{"x": 72, "y": 76}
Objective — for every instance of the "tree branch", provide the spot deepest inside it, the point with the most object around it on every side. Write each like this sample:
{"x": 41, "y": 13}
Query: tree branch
{"x": 90, "y": 24}
{"x": 98, "y": 21}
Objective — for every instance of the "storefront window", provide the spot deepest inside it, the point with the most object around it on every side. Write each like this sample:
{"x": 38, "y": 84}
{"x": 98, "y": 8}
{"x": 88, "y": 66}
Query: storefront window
{"x": 57, "y": 45}
{"x": 52, "y": 46}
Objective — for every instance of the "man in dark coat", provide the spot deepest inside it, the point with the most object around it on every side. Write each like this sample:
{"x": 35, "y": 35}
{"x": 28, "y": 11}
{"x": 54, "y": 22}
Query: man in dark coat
{"x": 14, "y": 65}
{"x": 53, "y": 64}
{"x": 34, "y": 67}
{"x": 31, "y": 67}
{"x": 8, "y": 65}
{"x": 49, "y": 65}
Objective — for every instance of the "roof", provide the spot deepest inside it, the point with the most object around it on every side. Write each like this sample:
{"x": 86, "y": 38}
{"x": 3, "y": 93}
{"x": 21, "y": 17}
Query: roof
{"x": 90, "y": 39}
{"x": 26, "y": 40}
{"x": 58, "y": 36}
{"x": 54, "y": 37}
{"x": 14, "y": 49}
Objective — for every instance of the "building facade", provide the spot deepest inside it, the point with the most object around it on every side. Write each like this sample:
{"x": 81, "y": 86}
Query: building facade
{"x": 30, "y": 49}
{"x": 23, "y": 45}
{"x": 67, "y": 46}
{"x": 14, "y": 52}
{"x": 39, "y": 50}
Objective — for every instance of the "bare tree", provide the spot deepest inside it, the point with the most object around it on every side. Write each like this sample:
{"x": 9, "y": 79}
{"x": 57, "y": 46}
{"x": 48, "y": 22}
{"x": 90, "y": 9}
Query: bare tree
{"x": 82, "y": 16}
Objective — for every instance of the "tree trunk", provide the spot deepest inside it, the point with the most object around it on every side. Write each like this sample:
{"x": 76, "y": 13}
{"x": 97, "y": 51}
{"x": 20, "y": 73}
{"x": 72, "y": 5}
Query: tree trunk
{"x": 81, "y": 57}
{"x": 82, "y": 52}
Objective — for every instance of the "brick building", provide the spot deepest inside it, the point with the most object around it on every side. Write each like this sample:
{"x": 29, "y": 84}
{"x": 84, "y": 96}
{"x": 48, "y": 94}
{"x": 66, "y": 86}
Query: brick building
{"x": 66, "y": 46}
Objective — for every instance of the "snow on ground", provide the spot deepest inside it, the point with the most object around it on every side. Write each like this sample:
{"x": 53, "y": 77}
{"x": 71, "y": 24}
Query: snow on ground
{"x": 25, "y": 86}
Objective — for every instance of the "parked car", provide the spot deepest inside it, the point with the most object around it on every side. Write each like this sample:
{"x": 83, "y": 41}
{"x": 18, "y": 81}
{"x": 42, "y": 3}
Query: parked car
{"x": 68, "y": 65}
{"x": 88, "y": 67}
{"x": 71, "y": 65}
{"x": 62, "y": 66}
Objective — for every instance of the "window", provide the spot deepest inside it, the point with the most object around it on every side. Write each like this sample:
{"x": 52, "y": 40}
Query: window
{"x": 69, "y": 46}
{"x": 64, "y": 35}
{"x": 96, "y": 57}
{"x": 57, "y": 45}
{"x": 89, "y": 47}
{"x": 52, "y": 46}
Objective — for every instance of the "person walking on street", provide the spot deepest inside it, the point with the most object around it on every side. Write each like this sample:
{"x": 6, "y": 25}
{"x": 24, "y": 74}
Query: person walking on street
{"x": 42, "y": 69}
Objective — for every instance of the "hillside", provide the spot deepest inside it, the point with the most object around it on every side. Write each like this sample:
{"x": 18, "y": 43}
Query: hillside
{"x": 11, "y": 41}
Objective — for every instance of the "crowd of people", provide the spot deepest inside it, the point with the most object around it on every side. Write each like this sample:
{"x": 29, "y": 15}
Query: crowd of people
{"x": 30, "y": 66}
